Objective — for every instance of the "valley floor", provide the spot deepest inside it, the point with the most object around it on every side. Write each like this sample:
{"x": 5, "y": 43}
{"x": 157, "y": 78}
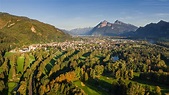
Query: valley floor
{"x": 93, "y": 66}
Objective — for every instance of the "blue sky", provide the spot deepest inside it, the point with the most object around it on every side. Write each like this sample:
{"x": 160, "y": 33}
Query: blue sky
{"x": 69, "y": 14}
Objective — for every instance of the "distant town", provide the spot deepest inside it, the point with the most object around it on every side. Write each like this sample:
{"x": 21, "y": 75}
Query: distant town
{"x": 91, "y": 43}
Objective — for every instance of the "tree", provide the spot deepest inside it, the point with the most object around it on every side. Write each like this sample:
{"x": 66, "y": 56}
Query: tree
{"x": 70, "y": 76}
{"x": 22, "y": 88}
{"x": 81, "y": 73}
{"x": 109, "y": 67}
{"x": 117, "y": 74}
{"x": 135, "y": 89}
{"x": 92, "y": 73}
{"x": 161, "y": 63}
{"x": 107, "y": 58}
{"x": 157, "y": 90}
{"x": 148, "y": 61}
{"x": 99, "y": 69}
{"x": 130, "y": 74}
{"x": 125, "y": 74}
{"x": 62, "y": 88}
{"x": 27, "y": 62}
{"x": 73, "y": 64}
{"x": 2, "y": 85}
{"x": 86, "y": 77}
{"x": 41, "y": 90}
{"x": 55, "y": 68}
{"x": 77, "y": 72}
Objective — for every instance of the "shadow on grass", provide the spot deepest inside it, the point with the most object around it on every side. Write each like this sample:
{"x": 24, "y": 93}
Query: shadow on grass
{"x": 164, "y": 88}
{"x": 99, "y": 86}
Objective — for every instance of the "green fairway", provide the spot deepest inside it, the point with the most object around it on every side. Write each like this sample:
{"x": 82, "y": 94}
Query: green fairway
{"x": 20, "y": 64}
{"x": 8, "y": 54}
{"x": 11, "y": 86}
{"x": 107, "y": 79}
{"x": 31, "y": 58}
{"x": 164, "y": 88}
{"x": 86, "y": 89}
{"x": 110, "y": 80}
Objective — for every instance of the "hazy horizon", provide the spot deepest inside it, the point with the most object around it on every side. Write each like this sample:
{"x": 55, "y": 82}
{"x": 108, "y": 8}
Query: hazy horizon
{"x": 70, "y": 14}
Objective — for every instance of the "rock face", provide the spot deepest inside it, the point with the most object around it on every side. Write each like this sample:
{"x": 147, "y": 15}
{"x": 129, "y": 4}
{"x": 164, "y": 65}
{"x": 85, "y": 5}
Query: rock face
{"x": 33, "y": 29}
{"x": 117, "y": 28}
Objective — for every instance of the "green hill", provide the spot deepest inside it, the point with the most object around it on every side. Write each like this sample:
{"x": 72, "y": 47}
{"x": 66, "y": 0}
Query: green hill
{"x": 22, "y": 30}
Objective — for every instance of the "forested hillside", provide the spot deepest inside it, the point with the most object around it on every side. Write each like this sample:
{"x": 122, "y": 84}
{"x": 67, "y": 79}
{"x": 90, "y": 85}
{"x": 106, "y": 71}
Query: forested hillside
{"x": 19, "y": 31}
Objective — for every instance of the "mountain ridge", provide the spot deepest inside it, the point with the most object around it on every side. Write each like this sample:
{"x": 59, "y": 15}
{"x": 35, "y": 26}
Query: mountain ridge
{"x": 154, "y": 30}
{"x": 81, "y": 31}
{"x": 114, "y": 29}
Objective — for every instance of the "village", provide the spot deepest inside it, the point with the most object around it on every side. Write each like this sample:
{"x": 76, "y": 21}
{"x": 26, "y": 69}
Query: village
{"x": 91, "y": 43}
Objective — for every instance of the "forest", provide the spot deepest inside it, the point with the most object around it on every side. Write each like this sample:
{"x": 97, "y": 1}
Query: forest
{"x": 137, "y": 68}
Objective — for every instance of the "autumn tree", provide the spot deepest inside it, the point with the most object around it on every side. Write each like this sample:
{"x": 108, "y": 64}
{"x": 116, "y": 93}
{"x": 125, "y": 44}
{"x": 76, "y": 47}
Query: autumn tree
{"x": 157, "y": 90}
{"x": 22, "y": 88}
{"x": 86, "y": 76}
{"x": 99, "y": 69}
{"x": 92, "y": 73}
{"x": 135, "y": 89}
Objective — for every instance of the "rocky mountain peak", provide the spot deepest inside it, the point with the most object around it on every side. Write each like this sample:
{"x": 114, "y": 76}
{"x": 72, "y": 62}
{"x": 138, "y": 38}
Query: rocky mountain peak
{"x": 113, "y": 29}
{"x": 161, "y": 22}
{"x": 103, "y": 23}
{"x": 118, "y": 22}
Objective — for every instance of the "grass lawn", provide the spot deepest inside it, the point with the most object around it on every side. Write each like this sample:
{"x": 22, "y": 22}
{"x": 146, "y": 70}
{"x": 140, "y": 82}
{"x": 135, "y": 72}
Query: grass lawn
{"x": 164, "y": 88}
{"x": 110, "y": 80}
{"x": 107, "y": 79}
{"x": 101, "y": 87}
{"x": 31, "y": 58}
{"x": 10, "y": 73}
{"x": 8, "y": 54}
{"x": 136, "y": 74}
{"x": 86, "y": 89}
{"x": 11, "y": 86}
{"x": 20, "y": 64}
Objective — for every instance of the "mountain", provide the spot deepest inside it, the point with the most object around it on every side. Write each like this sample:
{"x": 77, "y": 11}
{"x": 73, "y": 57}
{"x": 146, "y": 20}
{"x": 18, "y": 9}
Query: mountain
{"x": 153, "y": 31}
{"x": 112, "y": 29}
{"x": 22, "y": 30}
{"x": 80, "y": 31}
